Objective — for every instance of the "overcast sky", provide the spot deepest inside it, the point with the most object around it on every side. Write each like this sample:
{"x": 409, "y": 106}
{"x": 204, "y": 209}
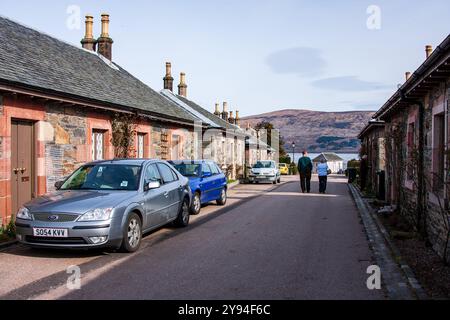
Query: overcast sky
{"x": 259, "y": 55}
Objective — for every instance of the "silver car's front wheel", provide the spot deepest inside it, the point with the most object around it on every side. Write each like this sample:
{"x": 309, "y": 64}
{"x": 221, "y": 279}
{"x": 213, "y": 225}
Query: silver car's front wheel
{"x": 133, "y": 233}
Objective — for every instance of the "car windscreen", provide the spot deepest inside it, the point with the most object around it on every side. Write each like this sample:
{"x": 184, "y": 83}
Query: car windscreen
{"x": 188, "y": 169}
{"x": 264, "y": 165}
{"x": 104, "y": 177}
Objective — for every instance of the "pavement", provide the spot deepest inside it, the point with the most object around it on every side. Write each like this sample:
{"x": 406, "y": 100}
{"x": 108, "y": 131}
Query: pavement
{"x": 399, "y": 280}
{"x": 269, "y": 242}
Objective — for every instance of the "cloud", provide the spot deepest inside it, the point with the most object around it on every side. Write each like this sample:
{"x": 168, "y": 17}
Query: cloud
{"x": 349, "y": 83}
{"x": 299, "y": 60}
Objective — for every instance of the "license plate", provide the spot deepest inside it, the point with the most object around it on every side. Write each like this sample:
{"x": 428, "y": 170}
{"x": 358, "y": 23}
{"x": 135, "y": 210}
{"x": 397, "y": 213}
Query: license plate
{"x": 50, "y": 233}
{"x": 261, "y": 177}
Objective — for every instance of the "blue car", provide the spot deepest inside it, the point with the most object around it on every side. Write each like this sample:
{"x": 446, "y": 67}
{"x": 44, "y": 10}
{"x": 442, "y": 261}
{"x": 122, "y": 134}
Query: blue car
{"x": 206, "y": 180}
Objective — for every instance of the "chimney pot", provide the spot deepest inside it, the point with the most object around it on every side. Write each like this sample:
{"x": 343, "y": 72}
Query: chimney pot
{"x": 105, "y": 42}
{"x": 168, "y": 79}
{"x": 428, "y": 50}
{"x": 217, "y": 110}
{"x": 88, "y": 42}
{"x": 407, "y": 75}
{"x": 225, "y": 111}
{"x": 182, "y": 87}
{"x": 231, "y": 118}
{"x": 105, "y": 25}
{"x": 237, "y": 120}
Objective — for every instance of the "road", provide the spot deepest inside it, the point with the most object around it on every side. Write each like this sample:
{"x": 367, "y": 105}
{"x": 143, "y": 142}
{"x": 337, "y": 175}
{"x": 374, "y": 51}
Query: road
{"x": 269, "y": 243}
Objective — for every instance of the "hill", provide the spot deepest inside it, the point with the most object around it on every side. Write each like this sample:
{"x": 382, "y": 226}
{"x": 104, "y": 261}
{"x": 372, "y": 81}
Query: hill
{"x": 317, "y": 131}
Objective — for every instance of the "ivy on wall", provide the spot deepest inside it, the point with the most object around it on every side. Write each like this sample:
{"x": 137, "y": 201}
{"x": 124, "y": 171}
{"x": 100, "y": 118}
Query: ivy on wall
{"x": 123, "y": 134}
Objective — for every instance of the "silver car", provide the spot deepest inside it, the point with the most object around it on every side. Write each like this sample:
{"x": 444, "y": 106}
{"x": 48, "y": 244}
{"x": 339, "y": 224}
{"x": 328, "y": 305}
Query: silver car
{"x": 265, "y": 171}
{"x": 107, "y": 204}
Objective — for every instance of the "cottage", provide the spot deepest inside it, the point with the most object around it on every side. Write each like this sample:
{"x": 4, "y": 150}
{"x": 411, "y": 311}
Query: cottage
{"x": 416, "y": 144}
{"x": 58, "y": 104}
{"x": 373, "y": 153}
{"x": 223, "y": 140}
{"x": 334, "y": 162}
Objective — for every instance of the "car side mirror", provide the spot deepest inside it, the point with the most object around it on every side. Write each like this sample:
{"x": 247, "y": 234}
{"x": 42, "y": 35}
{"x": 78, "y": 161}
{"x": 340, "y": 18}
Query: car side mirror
{"x": 59, "y": 184}
{"x": 152, "y": 185}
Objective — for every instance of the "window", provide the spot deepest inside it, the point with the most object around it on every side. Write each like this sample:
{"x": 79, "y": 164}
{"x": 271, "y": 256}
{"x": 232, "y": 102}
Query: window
{"x": 104, "y": 177}
{"x": 411, "y": 150}
{"x": 439, "y": 151}
{"x": 152, "y": 174}
{"x": 140, "y": 145}
{"x": 167, "y": 174}
{"x": 188, "y": 169}
{"x": 206, "y": 169}
{"x": 175, "y": 147}
{"x": 214, "y": 168}
{"x": 98, "y": 145}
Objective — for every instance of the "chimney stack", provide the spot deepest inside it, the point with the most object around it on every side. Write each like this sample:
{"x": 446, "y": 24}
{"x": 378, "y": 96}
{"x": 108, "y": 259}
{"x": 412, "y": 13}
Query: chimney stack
{"x": 88, "y": 42}
{"x": 105, "y": 42}
{"x": 428, "y": 50}
{"x": 231, "y": 118}
{"x": 407, "y": 75}
{"x": 225, "y": 111}
{"x": 168, "y": 79}
{"x": 217, "y": 111}
{"x": 182, "y": 87}
{"x": 237, "y": 120}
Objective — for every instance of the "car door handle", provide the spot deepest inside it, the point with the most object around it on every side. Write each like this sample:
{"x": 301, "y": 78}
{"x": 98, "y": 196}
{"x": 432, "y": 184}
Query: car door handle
{"x": 166, "y": 194}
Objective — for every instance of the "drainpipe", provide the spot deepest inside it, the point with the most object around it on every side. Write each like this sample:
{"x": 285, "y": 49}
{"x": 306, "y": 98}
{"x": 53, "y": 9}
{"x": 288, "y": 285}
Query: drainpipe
{"x": 446, "y": 161}
{"x": 420, "y": 165}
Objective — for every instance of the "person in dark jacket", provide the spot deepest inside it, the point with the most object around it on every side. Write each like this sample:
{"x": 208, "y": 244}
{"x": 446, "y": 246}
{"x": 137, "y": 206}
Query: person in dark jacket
{"x": 305, "y": 168}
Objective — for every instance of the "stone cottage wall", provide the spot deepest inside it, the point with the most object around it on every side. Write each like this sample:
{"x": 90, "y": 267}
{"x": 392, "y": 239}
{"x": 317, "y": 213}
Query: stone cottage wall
{"x": 69, "y": 147}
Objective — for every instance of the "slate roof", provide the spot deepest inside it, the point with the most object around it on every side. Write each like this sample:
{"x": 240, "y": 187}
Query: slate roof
{"x": 328, "y": 156}
{"x": 219, "y": 121}
{"x": 37, "y": 61}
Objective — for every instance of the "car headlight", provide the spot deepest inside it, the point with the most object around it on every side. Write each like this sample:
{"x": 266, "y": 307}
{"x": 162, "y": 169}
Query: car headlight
{"x": 97, "y": 215}
{"x": 24, "y": 214}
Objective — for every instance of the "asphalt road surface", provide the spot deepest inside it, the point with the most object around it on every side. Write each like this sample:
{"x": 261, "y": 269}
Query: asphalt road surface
{"x": 279, "y": 245}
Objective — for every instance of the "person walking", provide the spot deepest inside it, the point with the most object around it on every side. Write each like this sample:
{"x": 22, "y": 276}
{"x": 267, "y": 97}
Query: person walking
{"x": 322, "y": 171}
{"x": 305, "y": 167}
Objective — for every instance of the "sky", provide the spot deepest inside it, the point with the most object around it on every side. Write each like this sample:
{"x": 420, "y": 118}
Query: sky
{"x": 258, "y": 55}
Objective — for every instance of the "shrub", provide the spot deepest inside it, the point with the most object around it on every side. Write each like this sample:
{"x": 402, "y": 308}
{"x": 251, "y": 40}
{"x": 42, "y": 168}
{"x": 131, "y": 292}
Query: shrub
{"x": 8, "y": 231}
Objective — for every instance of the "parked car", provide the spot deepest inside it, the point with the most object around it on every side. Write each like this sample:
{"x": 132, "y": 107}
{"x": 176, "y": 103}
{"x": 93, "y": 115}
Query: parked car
{"x": 265, "y": 171}
{"x": 106, "y": 204}
{"x": 207, "y": 182}
{"x": 284, "y": 169}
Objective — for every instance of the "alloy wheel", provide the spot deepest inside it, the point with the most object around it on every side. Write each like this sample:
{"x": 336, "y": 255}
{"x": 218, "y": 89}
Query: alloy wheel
{"x": 185, "y": 213}
{"x": 197, "y": 203}
{"x": 134, "y": 233}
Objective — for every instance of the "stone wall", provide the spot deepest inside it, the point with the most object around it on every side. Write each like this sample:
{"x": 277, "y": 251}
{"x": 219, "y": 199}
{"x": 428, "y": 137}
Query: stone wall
{"x": 68, "y": 149}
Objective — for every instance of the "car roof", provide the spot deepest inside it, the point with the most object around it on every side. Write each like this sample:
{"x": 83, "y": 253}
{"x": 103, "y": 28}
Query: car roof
{"x": 190, "y": 161}
{"x": 136, "y": 162}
